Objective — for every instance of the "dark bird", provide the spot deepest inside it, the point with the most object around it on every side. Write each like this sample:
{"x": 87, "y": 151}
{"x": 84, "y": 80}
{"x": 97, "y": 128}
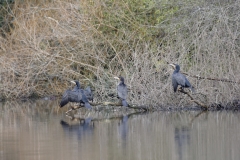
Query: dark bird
{"x": 75, "y": 95}
{"x": 122, "y": 91}
{"x": 88, "y": 92}
{"x": 179, "y": 79}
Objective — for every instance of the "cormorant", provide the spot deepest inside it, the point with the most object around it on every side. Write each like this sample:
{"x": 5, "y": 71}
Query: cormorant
{"x": 75, "y": 95}
{"x": 179, "y": 79}
{"x": 87, "y": 91}
{"x": 122, "y": 91}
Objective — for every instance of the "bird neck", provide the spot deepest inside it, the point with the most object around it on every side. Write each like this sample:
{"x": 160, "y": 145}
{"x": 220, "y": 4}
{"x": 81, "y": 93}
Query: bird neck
{"x": 121, "y": 83}
{"x": 78, "y": 85}
{"x": 176, "y": 71}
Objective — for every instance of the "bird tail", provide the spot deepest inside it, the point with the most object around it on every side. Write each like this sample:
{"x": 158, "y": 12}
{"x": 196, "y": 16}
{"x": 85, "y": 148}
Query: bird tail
{"x": 124, "y": 103}
{"x": 63, "y": 103}
{"x": 87, "y": 105}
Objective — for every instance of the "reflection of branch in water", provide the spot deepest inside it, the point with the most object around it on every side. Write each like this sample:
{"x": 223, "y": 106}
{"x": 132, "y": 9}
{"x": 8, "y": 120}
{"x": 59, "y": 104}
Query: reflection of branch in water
{"x": 76, "y": 121}
{"x": 192, "y": 99}
{"x": 200, "y": 113}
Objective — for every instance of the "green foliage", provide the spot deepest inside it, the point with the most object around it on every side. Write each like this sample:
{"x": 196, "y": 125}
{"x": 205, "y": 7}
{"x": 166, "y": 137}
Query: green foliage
{"x": 5, "y": 18}
{"x": 135, "y": 18}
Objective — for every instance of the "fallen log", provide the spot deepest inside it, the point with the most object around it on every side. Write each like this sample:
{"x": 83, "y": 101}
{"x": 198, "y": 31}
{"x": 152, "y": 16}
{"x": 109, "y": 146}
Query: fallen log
{"x": 119, "y": 104}
{"x": 80, "y": 118}
{"x": 143, "y": 108}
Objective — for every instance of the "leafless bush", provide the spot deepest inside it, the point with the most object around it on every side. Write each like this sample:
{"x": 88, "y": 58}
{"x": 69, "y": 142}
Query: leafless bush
{"x": 54, "y": 42}
{"x": 207, "y": 44}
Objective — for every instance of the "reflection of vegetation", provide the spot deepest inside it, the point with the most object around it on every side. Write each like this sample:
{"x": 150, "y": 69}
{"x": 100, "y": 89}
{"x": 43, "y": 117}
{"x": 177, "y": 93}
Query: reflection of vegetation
{"x": 30, "y": 108}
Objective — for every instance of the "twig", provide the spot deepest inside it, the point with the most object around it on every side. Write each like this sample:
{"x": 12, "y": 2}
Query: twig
{"x": 192, "y": 99}
{"x": 208, "y": 78}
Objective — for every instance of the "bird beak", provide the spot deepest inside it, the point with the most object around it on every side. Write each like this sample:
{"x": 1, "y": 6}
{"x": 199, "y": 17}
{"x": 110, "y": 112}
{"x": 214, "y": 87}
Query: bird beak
{"x": 73, "y": 82}
{"x": 172, "y": 65}
{"x": 116, "y": 78}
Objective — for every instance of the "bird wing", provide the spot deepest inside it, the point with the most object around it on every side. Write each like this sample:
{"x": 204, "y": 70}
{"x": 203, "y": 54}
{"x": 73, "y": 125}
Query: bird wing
{"x": 75, "y": 88}
{"x": 88, "y": 93}
{"x": 174, "y": 83}
{"x": 187, "y": 83}
{"x": 75, "y": 96}
{"x": 122, "y": 91}
{"x": 64, "y": 100}
{"x": 88, "y": 89}
{"x": 84, "y": 100}
{"x": 180, "y": 79}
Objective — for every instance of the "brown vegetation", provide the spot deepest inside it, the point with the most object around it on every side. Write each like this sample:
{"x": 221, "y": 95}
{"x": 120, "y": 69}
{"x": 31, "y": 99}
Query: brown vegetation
{"x": 44, "y": 45}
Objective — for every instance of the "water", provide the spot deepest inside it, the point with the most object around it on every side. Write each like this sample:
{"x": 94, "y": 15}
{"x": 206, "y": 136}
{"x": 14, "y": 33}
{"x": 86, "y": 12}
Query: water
{"x": 35, "y": 131}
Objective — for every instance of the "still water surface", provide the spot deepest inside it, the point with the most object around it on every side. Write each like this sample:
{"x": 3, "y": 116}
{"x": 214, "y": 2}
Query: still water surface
{"x": 35, "y": 131}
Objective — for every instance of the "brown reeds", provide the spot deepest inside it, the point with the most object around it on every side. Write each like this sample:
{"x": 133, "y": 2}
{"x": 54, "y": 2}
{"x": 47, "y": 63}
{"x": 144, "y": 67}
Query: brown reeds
{"x": 47, "y": 44}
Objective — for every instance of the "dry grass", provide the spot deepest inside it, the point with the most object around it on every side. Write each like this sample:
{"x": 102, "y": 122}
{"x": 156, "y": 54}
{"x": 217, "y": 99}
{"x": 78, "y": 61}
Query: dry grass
{"x": 50, "y": 43}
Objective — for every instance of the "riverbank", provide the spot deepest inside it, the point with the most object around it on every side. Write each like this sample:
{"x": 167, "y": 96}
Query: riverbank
{"x": 44, "y": 45}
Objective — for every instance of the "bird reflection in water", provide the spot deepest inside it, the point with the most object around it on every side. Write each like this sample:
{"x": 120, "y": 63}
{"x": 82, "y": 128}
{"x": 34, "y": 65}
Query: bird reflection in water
{"x": 79, "y": 127}
{"x": 182, "y": 139}
{"x": 123, "y": 128}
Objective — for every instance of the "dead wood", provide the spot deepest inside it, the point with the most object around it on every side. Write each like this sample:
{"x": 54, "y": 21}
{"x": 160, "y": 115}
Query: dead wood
{"x": 97, "y": 119}
{"x": 111, "y": 104}
{"x": 209, "y": 78}
{"x": 119, "y": 104}
{"x": 192, "y": 99}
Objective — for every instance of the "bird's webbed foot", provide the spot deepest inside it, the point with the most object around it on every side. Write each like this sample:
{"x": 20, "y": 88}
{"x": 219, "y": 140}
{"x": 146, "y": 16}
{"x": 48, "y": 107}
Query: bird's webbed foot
{"x": 69, "y": 110}
{"x": 74, "y": 107}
